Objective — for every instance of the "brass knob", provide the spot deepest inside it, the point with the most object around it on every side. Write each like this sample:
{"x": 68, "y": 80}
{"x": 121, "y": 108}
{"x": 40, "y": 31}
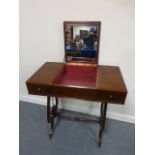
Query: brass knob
{"x": 38, "y": 89}
{"x": 110, "y": 96}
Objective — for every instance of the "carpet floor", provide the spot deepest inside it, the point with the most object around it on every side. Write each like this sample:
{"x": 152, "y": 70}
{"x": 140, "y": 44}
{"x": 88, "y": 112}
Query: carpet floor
{"x": 71, "y": 137}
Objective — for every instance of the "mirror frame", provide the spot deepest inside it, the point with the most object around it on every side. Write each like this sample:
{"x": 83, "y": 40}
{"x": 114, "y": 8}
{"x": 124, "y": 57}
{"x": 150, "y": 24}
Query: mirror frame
{"x": 84, "y": 23}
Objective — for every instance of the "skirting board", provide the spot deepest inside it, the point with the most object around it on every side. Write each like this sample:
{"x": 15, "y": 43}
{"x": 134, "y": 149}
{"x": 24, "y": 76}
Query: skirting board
{"x": 111, "y": 115}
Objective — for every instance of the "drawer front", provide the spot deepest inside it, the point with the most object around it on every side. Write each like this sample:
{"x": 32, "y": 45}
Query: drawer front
{"x": 36, "y": 89}
{"x": 113, "y": 97}
{"x": 78, "y": 93}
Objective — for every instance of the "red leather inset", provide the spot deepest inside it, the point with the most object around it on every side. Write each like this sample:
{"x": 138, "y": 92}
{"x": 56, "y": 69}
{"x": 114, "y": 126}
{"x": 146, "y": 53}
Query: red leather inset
{"x": 77, "y": 75}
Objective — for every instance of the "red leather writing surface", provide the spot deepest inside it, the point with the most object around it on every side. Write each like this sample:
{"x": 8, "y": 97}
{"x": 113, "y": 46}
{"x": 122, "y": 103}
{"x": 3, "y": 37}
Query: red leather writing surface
{"x": 77, "y": 75}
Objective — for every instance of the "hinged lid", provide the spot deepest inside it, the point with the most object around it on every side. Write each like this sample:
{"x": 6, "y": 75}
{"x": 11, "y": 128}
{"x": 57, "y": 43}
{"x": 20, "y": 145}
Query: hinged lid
{"x": 81, "y": 41}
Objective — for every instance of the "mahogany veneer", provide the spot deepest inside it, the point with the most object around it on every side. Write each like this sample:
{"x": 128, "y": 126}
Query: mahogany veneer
{"x": 97, "y": 83}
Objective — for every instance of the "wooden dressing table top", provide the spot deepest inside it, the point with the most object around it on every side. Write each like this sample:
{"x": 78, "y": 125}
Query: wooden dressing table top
{"x": 110, "y": 86}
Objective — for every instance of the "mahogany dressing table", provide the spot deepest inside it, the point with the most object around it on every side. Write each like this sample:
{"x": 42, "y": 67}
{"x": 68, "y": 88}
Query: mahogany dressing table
{"x": 80, "y": 77}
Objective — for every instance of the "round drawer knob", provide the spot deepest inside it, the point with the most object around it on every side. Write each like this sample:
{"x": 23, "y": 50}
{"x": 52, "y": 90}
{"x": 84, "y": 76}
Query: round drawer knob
{"x": 38, "y": 89}
{"x": 110, "y": 96}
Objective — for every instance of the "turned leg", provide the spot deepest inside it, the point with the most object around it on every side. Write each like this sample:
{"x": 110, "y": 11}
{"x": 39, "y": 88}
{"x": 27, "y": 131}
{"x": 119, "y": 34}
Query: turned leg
{"x": 102, "y": 118}
{"x": 48, "y": 110}
{"x": 52, "y": 117}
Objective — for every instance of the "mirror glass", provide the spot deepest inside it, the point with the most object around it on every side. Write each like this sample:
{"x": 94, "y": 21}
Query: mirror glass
{"x": 81, "y": 41}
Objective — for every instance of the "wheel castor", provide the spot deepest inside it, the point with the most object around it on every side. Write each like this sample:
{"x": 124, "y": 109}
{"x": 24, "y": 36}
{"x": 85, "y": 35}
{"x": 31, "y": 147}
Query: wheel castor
{"x": 99, "y": 144}
{"x": 50, "y": 134}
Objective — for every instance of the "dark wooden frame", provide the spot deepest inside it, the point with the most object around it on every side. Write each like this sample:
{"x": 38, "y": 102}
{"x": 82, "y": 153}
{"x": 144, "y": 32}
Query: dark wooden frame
{"x": 86, "y": 23}
{"x": 52, "y": 113}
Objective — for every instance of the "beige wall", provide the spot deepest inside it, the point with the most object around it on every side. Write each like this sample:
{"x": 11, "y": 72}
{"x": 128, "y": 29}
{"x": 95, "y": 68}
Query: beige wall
{"x": 41, "y": 40}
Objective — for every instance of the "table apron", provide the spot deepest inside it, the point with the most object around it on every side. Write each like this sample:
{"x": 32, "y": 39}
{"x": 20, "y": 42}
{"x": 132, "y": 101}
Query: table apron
{"x": 78, "y": 93}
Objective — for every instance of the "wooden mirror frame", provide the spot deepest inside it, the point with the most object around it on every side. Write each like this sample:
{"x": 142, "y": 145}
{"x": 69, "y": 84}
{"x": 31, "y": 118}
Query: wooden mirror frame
{"x": 84, "y": 23}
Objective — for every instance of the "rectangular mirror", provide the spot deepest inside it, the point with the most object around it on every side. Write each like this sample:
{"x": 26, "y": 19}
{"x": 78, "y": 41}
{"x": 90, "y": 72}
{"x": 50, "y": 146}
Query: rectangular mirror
{"x": 81, "y": 41}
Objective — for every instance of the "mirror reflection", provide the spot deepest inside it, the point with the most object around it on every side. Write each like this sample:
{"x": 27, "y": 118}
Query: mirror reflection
{"x": 81, "y": 43}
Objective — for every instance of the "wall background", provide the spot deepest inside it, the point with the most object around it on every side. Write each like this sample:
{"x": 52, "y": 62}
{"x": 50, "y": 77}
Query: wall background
{"x": 41, "y": 40}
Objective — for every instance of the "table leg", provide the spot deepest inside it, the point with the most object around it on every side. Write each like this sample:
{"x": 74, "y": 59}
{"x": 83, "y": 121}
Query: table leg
{"x": 48, "y": 110}
{"x": 52, "y": 117}
{"x": 102, "y": 118}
